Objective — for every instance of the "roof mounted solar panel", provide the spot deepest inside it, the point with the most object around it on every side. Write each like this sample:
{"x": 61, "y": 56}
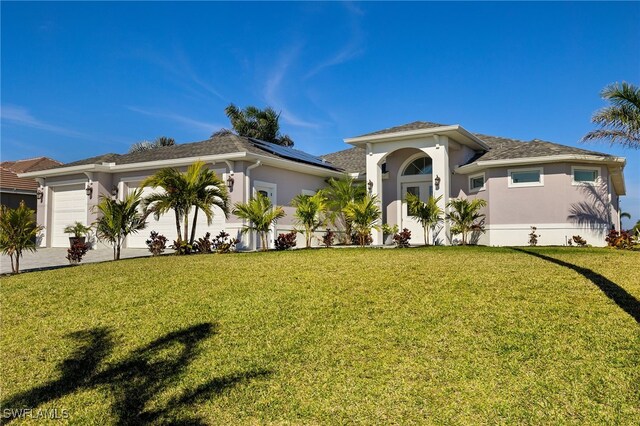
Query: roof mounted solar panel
{"x": 291, "y": 154}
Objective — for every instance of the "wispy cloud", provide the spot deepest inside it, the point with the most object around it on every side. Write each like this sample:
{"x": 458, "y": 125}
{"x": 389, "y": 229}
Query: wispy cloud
{"x": 21, "y": 116}
{"x": 180, "y": 67}
{"x": 272, "y": 89}
{"x": 351, "y": 49}
{"x": 187, "y": 121}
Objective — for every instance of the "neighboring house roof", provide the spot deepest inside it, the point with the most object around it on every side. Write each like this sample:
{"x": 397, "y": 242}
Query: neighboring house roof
{"x": 217, "y": 145}
{"x": 9, "y": 180}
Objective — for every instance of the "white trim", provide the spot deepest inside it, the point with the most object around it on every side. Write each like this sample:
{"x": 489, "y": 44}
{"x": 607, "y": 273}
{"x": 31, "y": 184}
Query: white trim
{"x": 185, "y": 161}
{"x": 67, "y": 182}
{"x": 456, "y": 128}
{"x": 17, "y": 191}
{"x": 484, "y": 183}
{"x": 512, "y": 184}
{"x": 585, "y": 168}
{"x": 479, "y": 165}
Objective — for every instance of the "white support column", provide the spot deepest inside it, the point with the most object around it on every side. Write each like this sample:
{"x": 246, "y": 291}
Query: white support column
{"x": 440, "y": 158}
{"x": 374, "y": 174}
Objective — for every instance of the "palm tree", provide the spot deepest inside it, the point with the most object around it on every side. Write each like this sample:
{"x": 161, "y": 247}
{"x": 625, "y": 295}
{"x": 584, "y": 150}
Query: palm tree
{"x": 18, "y": 231}
{"x": 625, "y": 215}
{"x": 119, "y": 219}
{"x": 339, "y": 193}
{"x": 429, "y": 214}
{"x": 465, "y": 216}
{"x": 198, "y": 187}
{"x": 160, "y": 141}
{"x": 208, "y": 191}
{"x": 257, "y": 123}
{"x": 364, "y": 215}
{"x": 260, "y": 214}
{"x": 309, "y": 213}
{"x": 619, "y": 122}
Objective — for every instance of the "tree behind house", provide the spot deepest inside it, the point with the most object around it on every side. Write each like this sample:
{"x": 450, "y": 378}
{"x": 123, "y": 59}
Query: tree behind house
{"x": 252, "y": 122}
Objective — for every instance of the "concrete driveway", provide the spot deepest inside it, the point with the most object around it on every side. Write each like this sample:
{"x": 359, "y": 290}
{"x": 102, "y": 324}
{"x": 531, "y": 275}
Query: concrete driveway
{"x": 55, "y": 257}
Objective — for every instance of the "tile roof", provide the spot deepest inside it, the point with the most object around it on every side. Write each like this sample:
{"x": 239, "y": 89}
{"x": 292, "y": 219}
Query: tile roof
{"x": 9, "y": 180}
{"x": 416, "y": 125}
{"x": 352, "y": 160}
{"x": 217, "y": 145}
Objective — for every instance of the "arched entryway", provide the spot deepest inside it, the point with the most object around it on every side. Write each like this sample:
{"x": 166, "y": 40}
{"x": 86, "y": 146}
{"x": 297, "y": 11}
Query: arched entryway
{"x": 415, "y": 176}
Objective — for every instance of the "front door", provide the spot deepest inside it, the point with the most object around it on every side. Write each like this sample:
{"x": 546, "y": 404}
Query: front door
{"x": 423, "y": 190}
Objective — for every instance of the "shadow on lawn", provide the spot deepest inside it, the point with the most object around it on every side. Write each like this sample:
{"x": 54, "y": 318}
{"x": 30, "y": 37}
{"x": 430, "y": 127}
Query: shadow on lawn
{"x": 613, "y": 291}
{"x": 134, "y": 382}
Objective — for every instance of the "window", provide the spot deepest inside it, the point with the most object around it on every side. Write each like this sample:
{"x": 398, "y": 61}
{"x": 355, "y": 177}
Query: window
{"x": 525, "y": 177}
{"x": 476, "y": 183}
{"x": 584, "y": 175}
{"x": 421, "y": 166}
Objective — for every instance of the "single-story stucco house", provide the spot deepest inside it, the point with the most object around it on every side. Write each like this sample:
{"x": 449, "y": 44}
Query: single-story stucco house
{"x": 562, "y": 190}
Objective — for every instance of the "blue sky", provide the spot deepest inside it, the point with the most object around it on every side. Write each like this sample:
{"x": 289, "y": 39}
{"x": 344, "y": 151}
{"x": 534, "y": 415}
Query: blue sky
{"x": 81, "y": 79}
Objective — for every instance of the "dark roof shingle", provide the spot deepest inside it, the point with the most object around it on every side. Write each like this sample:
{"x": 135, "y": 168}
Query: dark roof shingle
{"x": 416, "y": 125}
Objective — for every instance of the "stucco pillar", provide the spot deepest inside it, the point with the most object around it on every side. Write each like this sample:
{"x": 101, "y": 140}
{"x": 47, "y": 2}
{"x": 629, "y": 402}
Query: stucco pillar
{"x": 374, "y": 175}
{"x": 439, "y": 154}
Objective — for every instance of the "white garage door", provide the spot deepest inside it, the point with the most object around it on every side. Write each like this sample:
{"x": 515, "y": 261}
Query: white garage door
{"x": 69, "y": 206}
{"x": 166, "y": 224}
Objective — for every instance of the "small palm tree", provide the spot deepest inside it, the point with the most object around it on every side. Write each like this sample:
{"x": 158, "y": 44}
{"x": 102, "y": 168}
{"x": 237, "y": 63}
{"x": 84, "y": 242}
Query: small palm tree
{"x": 309, "y": 213}
{"x": 429, "y": 214}
{"x": 260, "y": 214}
{"x": 171, "y": 198}
{"x": 207, "y": 190}
{"x": 364, "y": 216}
{"x": 18, "y": 231}
{"x": 465, "y": 216}
{"x": 339, "y": 193}
{"x": 119, "y": 219}
{"x": 620, "y": 121}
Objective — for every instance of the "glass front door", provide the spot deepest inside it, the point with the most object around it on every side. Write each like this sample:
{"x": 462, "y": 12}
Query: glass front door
{"x": 423, "y": 190}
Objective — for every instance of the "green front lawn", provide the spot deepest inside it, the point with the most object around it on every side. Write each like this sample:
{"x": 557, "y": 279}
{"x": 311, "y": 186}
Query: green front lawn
{"x": 431, "y": 335}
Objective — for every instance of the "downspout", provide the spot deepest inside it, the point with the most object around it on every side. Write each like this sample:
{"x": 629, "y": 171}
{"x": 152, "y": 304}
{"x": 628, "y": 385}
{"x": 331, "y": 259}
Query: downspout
{"x": 247, "y": 189}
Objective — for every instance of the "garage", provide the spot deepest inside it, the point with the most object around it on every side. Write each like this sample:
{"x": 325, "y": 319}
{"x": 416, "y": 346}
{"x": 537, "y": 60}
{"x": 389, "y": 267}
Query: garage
{"x": 166, "y": 224}
{"x": 69, "y": 206}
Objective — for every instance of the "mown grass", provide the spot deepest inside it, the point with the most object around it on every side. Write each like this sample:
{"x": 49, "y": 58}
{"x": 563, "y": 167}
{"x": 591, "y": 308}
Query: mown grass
{"x": 432, "y": 335}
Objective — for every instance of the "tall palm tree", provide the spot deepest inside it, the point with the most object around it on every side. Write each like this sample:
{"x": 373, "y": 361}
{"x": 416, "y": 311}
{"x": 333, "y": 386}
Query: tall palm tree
{"x": 18, "y": 231}
{"x": 119, "y": 219}
{"x": 260, "y": 214}
{"x": 171, "y": 198}
{"x": 620, "y": 121}
{"x": 339, "y": 193}
{"x": 309, "y": 213}
{"x": 364, "y": 215}
{"x": 160, "y": 141}
{"x": 465, "y": 216}
{"x": 429, "y": 214}
{"x": 257, "y": 123}
{"x": 197, "y": 187}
